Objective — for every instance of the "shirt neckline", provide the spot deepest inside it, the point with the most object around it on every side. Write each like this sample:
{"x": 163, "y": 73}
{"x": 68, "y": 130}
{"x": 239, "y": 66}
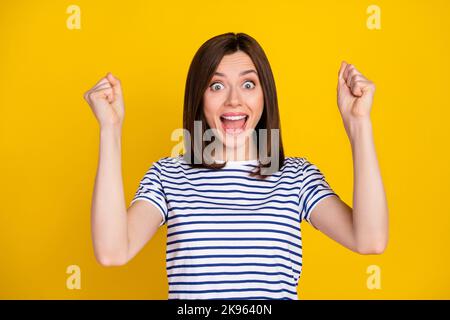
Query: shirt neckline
{"x": 236, "y": 163}
{"x": 231, "y": 163}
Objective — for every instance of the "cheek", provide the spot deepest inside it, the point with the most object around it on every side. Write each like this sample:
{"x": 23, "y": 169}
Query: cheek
{"x": 257, "y": 105}
{"x": 210, "y": 109}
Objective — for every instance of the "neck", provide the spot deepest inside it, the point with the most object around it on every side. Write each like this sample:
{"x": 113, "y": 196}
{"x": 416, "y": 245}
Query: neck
{"x": 246, "y": 151}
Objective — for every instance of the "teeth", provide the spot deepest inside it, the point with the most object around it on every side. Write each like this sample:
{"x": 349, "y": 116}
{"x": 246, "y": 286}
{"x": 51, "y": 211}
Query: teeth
{"x": 234, "y": 117}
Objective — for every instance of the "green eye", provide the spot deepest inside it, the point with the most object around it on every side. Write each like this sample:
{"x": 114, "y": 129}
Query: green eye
{"x": 214, "y": 84}
{"x": 251, "y": 83}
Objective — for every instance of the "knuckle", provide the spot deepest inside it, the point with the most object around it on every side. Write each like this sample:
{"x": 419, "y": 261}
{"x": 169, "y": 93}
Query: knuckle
{"x": 92, "y": 95}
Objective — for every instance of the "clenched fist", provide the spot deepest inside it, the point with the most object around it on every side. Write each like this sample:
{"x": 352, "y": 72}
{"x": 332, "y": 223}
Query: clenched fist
{"x": 354, "y": 93}
{"x": 106, "y": 101}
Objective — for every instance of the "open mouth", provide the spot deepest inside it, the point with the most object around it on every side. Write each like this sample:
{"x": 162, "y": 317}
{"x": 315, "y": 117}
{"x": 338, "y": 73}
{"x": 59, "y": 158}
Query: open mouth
{"x": 234, "y": 122}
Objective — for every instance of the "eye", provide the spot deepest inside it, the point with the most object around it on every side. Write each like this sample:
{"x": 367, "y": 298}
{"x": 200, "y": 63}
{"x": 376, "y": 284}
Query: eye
{"x": 212, "y": 86}
{"x": 251, "y": 87}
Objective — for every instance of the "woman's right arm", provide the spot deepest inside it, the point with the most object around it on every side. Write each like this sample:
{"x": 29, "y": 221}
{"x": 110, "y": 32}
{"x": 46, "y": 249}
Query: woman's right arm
{"x": 118, "y": 234}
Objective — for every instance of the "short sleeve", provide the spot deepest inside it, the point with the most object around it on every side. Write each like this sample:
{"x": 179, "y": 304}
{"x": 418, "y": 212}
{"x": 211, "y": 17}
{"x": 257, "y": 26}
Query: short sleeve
{"x": 151, "y": 189}
{"x": 314, "y": 188}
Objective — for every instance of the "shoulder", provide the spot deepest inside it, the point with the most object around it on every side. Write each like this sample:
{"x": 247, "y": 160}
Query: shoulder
{"x": 169, "y": 162}
{"x": 300, "y": 164}
{"x": 297, "y": 162}
{"x": 163, "y": 165}
{"x": 302, "y": 161}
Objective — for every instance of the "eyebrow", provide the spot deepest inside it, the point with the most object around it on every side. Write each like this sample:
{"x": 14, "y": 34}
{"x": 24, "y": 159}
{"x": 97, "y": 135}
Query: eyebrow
{"x": 240, "y": 74}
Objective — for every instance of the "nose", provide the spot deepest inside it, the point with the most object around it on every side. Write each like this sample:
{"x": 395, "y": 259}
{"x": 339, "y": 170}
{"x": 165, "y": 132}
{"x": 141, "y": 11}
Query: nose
{"x": 233, "y": 98}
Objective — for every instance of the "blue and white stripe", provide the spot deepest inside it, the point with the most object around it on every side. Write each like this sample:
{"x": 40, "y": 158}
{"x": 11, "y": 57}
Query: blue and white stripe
{"x": 231, "y": 235}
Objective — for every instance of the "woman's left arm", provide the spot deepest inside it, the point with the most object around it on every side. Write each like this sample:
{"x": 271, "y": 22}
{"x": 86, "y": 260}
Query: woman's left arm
{"x": 363, "y": 229}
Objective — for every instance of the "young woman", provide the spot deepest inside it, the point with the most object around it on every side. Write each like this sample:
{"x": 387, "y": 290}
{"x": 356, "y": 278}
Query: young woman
{"x": 232, "y": 231}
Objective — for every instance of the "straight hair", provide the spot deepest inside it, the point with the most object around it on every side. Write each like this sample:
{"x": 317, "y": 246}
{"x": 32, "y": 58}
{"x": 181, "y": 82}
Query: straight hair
{"x": 201, "y": 70}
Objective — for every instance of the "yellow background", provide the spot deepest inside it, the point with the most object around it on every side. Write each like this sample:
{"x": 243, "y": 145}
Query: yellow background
{"x": 50, "y": 138}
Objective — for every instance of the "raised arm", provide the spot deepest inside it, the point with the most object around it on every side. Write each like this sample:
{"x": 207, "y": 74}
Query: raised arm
{"x": 363, "y": 229}
{"x": 117, "y": 234}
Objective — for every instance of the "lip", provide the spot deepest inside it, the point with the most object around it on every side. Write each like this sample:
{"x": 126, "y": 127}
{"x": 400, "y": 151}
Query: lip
{"x": 231, "y": 114}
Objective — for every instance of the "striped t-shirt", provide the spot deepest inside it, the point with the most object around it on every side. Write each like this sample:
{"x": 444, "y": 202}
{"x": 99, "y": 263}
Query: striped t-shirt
{"x": 231, "y": 235}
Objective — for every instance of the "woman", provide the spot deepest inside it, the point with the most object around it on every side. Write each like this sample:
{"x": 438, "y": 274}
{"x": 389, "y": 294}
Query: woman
{"x": 233, "y": 226}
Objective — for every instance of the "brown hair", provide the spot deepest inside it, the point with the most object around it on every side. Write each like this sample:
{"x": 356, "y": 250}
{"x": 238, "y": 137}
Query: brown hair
{"x": 203, "y": 65}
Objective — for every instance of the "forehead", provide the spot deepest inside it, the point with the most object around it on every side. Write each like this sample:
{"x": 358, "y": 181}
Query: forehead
{"x": 235, "y": 62}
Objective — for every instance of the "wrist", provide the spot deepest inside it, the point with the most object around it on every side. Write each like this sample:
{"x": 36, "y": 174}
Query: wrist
{"x": 358, "y": 128}
{"x": 111, "y": 131}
